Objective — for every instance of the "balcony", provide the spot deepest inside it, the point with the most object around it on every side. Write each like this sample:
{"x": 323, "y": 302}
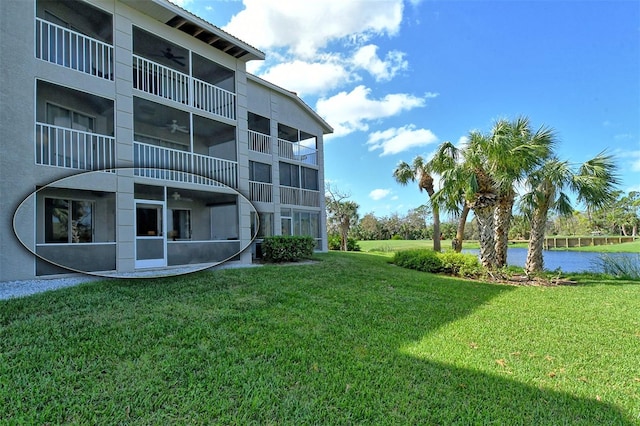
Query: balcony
{"x": 299, "y": 196}
{"x": 297, "y": 152}
{"x": 261, "y": 192}
{"x": 259, "y": 142}
{"x": 168, "y": 83}
{"x": 71, "y": 49}
{"x": 73, "y": 149}
{"x": 168, "y": 164}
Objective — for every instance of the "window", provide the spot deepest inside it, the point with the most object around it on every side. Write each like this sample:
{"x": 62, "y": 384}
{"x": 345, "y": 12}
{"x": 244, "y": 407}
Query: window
{"x": 306, "y": 223}
{"x": 264, "y": 226}
{"x": 309, "y": 178}
{"x": 289, "y": 175}
{"x": 179, "y": 224}
{"x": 64, "y": 117}
{"x": 259, "y": 172}
{"x": 68, "y": 221}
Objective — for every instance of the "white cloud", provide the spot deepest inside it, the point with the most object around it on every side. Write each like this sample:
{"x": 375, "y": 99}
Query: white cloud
{"x": 308, "y": 77}
{"x": 181, "y": 3}
{"x": 350, "y": 112}
{"x": 379, "y": 194}
{"x": 634, "y": 158}
{"x": 382, "y": 70}
{"x": 396, "y": 140}
{"x": 462, "y": 141}
{"x": 307, "y": 26}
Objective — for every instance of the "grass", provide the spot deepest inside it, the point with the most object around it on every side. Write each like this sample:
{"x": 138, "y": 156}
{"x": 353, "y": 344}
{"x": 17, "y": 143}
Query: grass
{"x": 390, "y": 246}
{"x": 348, "y": 340}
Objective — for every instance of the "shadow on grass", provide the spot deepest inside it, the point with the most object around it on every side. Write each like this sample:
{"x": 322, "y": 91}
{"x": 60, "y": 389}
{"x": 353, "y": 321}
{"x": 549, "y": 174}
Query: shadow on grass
{"x": 287, "y": 345}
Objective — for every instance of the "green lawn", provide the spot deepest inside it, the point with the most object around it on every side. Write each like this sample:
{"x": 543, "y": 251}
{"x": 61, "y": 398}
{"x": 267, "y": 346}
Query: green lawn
{"x": 389, "y": 246}
{"x": 348, "y": 340}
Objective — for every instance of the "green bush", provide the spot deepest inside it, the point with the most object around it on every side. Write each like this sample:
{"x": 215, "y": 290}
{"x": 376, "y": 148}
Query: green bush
{"x": 334, "y": 243}
{"x": 285, "y": 248}
{"x": 424, "y": 260}
{"x": 461, "y": 264}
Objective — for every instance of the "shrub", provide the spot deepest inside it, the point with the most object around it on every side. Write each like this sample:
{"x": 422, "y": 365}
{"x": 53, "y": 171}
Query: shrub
{"x": 461, "y": 264}
{"x": 334, "y": 243}
{"x": 285, "y": 248}
{"x": 424, "y": 260}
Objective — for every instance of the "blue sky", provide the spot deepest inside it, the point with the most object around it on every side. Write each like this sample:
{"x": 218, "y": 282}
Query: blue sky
{"x": 395, "y": 78}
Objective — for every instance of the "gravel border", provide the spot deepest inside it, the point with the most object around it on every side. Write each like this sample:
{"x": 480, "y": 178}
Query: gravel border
{"x": 15, "y": 289}
{"x": 24, "y": 288}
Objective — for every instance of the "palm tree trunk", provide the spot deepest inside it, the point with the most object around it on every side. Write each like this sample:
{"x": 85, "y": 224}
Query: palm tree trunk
{"x": 460, "y": 230}
{"x": 436, "y": 228}
{"x": 344, "y": 234}
{"x": 484, "y": 215}
{"x": 535, "y": 261}
{"x": 501, "y": 228}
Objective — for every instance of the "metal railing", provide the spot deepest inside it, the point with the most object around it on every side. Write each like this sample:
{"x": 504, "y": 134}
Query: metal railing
{"x": 167, "y": 83}
{"x": 299, "y": 196}
{"x": 260, "y": 191}
{"x": 151, "y": 77}
{"x": 213, "y": 99}
{"x": 259, "y": 142}
{"x": 296, "y": 152}
{"x": 181, "y": 166}
{"x": 73, "y": 149}
{"x": 73, "y": 50}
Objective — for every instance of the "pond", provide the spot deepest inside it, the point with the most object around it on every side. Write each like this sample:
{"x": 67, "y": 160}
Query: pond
{"x": 567, "y": 261}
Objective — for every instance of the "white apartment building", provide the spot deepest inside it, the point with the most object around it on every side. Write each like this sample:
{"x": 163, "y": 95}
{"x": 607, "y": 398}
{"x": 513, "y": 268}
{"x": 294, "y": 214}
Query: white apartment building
{"x": 133, "y": 139}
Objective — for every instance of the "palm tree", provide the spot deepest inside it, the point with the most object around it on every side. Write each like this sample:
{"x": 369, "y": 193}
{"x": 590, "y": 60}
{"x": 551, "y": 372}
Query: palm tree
{"x": 513, "y": 152}
{"x": 480, "y": 191}
{"x": 451, "y": 195}
{"x": 593, "y": 183}
{"x": 420, "y": 170}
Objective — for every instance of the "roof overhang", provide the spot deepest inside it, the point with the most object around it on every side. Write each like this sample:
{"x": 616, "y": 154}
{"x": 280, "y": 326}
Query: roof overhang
{"x": 183, "y": 20}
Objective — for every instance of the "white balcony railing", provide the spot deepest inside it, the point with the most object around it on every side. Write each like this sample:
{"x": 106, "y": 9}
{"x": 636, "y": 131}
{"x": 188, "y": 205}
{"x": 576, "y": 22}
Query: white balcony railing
{"x": 260, "y": 191}
{"x": 296, "y": 152}
{"x": 181, "y": 166}
{"x": 213, "y": 99}
{"x": 259, "y": 142}
{"x": 156, "y": 79}
{"x": 299, "y": 197}
{"x": 73, "y": 149}
{"x": 73, "y": 50}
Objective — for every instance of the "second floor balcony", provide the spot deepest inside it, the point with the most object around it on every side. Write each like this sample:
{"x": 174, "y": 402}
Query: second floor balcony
{"x": 73, "y": 149}
{"x": 168, "y": 164}
{"x": 299, "y": 196}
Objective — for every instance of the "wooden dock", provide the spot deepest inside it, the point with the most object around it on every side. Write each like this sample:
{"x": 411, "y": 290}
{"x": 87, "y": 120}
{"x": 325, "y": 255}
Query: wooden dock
{"x": 568, "y": 242}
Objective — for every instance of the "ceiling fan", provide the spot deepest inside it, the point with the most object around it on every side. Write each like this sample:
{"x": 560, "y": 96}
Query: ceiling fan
{"x": 177, "y": 197}
{"x": 167, "y": 53}
{"x": 175, "y": 127}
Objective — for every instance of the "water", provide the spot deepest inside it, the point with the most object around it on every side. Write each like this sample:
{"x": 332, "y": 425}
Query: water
{"x": 567, "y": 261}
